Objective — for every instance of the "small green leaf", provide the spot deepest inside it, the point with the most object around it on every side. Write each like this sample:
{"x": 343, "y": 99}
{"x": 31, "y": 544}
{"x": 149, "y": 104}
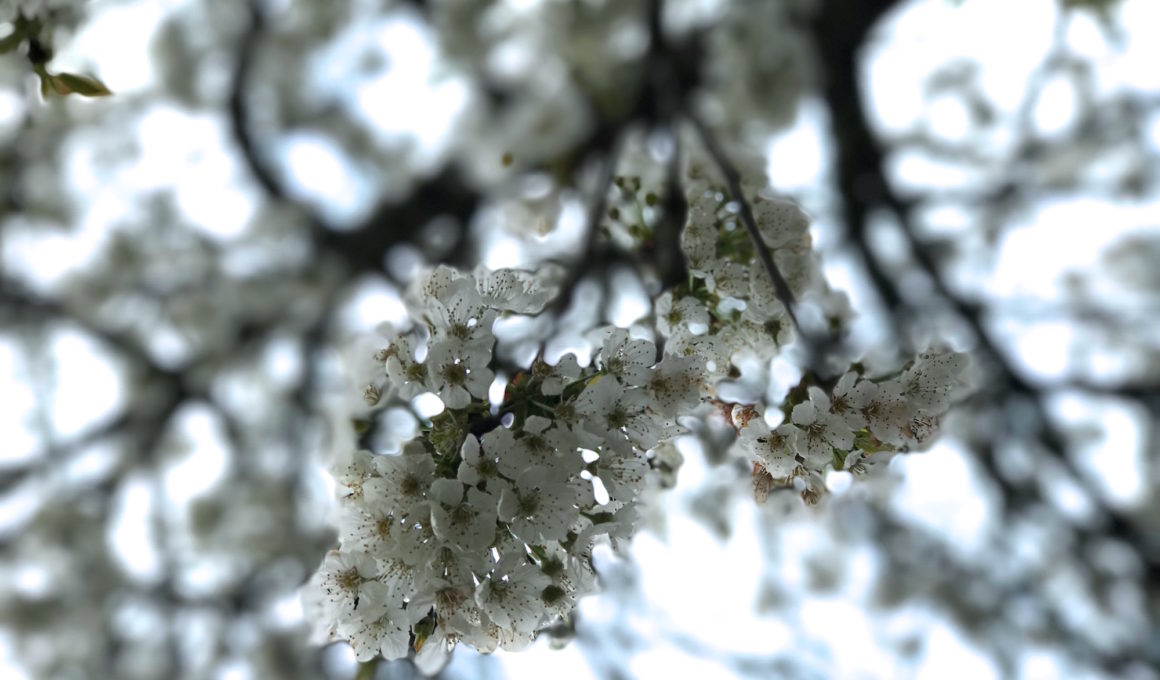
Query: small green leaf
{"x": 86, "y": 86}
{"x": 11, "y": 41}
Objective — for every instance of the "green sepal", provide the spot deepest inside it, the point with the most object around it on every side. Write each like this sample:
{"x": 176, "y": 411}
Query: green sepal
{"x": 86, "y": 86}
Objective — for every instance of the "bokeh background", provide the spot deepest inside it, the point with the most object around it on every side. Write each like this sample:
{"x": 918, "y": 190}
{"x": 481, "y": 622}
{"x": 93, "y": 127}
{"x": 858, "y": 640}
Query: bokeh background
{"x": 185, "y": 265}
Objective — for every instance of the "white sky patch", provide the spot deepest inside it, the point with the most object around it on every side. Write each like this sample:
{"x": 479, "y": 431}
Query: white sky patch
{"x": 948, "y": 118}
{"x": 1047, "y": 349}
{"x": 41, "y": 253}
{"x": 568, "y": 663}
{"x": 20, "y": 504}
{"x": 199, "y": 434}
{"x": 1114, "y": 451}
{"x": 503, "y": 252}
{"x": 915, "y": 169}
{"x": 929, "y": 34}
{"x": 178, "y": 151}
{"x": 856, "y": 655}
{"x": 1085, "y": 36}
{"x": 8, "y": 659}
{"x": 88, "y": 389}
{"x": 19, "y": 399}
{"x": 318, "y": 171}
{"x": 629, "y": 301}
{"x": 947, "y": 654}
{"x": 286, "y": 611}
{"x": 373, "y": 303}
{"x": 409, "y": 95}
{"x": 940, "y": 492}
{"x": 1061, "y": 234}
{"x": 1134, "y": 66}
{"x": 798, "y": 156}
{"x": 190, "y": 152}
{"x": 130, "y": 534}
{"x": 1057, "y": 108}
{"x": 118, "y": 39}
{"x": 674, "y": 662}
{"x": 12, "y": 108}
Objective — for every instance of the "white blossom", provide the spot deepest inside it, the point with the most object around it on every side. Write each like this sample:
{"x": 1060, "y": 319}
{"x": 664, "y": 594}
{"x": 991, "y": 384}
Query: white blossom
{"x": 402, "y": 484}
{"x": 626, "y": 358}
{"x": 477, "y": 465}
{"x": 554, "y": 378}
{"x": 510, "y": 595}
{"x": 379, "y": 624}
{"x": 408, "y": 376}
{"x": 684, "y": 313}
{"x": 846, "y": 403}
{"x": 675, "y": 384}
{"x": 884, "y": 410}
{"x": 466, "y": 520}
{"x": 774, "y": 449}
{"x": 459, "y": 372}
{"x": 819, "y": 431}
{"x": 780, "y": 222}
{"x": 622, "y": 469}
{"x": 513, "y": 290}
{"x": 537, "y": 507}
{"x": 932, "y": 380}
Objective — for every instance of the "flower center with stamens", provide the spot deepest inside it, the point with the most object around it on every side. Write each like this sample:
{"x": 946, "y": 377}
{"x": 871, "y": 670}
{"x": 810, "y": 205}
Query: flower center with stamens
{"x": 454, "y": 374}
{"x": 552, "y": 594}
{"x": 410, "y": 486}
{"x": 349, "y": 579}
{"x": 462, "y": 515}
{"x": 528, "y": 505}
{"x": 383, "y": 527}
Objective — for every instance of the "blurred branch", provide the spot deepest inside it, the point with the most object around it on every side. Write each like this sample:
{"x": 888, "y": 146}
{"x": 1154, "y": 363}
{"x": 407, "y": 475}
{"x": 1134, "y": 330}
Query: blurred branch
{"x": 363, "y": 248}
{"x": 166, "y": 389}
{"x": 841, "y": 27}
{"x": 670, "y": 73}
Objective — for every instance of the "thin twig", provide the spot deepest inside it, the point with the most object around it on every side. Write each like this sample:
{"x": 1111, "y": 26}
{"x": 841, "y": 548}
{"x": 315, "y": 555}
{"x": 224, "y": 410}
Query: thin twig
{"x": 591, "y": 257}
{"x": 733, "y": 182}
{"x": 817, "y": 346}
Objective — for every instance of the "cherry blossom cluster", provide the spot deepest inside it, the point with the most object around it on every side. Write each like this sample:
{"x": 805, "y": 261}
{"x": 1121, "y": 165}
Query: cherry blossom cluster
{"x": 481, "y": 529}
{"x": 729, "y": 309}
{"x": 728, "y": 306}
{"x": 859, "y": 425}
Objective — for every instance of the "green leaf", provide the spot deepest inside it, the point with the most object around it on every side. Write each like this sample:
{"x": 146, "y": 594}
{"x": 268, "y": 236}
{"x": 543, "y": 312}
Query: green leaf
{"x": 86, "y": 86}
{"x": 11, "y": 41}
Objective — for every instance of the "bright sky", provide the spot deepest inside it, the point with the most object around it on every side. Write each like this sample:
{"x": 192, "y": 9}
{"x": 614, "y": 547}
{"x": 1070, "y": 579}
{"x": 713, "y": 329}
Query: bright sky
{"x": 1008, "y": 40}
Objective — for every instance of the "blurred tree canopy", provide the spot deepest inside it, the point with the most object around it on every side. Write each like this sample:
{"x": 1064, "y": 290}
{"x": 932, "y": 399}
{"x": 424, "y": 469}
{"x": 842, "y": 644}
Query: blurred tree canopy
{"x": 185, "y": 264}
